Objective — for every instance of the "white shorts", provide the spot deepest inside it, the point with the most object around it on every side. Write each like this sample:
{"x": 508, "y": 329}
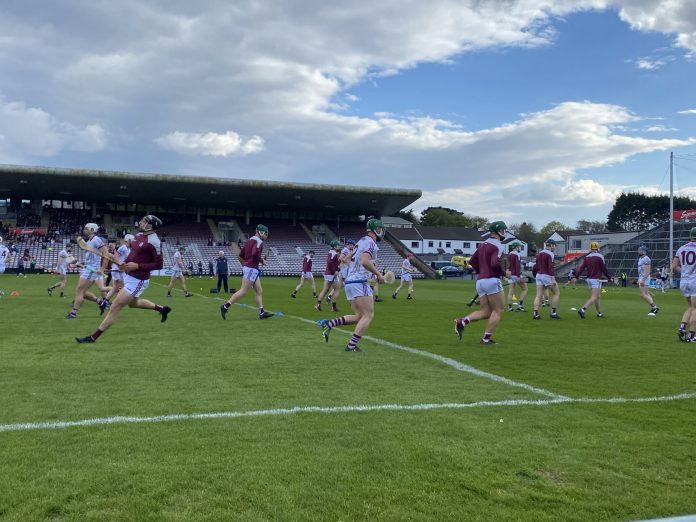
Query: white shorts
{"x": 344, "y": 272}
{"x": 489, "y": 286}
{"x": 252, "y": 274}
{"x": 117, "y": 275}
{"x": 544, "y": 280}
{"x": 2, "y": 269}
{"x": 516, "y": 279}
{"x": 62, "y": 271}
{"x": 594, "y": 283}
{"x": 134, "y": 286}
{"x": 357, "y": 289}
{"x": 688, "y": 287}
{"x": 90, "y": 274}
{"x": 406, "y": 277}
{"x": 643, "y": 280}
{"x": 176, "y": 273}
{"x": 329, "y": 278}
{"x": 307, "y": 275}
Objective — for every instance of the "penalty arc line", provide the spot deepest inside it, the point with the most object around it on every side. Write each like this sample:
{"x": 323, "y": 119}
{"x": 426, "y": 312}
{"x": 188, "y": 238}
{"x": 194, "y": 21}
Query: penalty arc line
{"x": 120, "y": 420}
{"x": 422, "y": 353}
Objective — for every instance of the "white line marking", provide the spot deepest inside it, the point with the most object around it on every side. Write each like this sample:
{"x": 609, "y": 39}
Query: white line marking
{"x": 54, "y": 425}
{"x": 444, "y": 360}
{"x": 449, "y": 362}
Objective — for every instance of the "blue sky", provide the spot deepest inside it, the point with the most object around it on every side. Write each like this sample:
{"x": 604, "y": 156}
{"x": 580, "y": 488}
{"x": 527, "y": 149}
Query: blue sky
{"x": 521, "y": 110}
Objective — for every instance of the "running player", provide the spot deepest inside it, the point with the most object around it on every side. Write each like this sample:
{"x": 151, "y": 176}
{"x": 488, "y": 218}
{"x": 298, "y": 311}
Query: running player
{"x": 331, "y": 281}
{"x": 596, "y": 268}
{"x": 546, "y": 279}
{"x": 145, "y": 256}
{"x": 572, "y": 278}
{"x": 251, "y": 257}
{"x": 358, "y": 291}
{"x": 120, "y": 255}
{"x": 93, "y": 271}
{"x": 62, "y": 270}
{"x": 306, "y": 275}
{"x": 486, "y": 263}
{"x": 345, "y": 258}
{"x": 406, "y": 276}
{"x": 5, "y": 258}
{"x": 178, "y": 270}
{"x": 685, "y": 262}
{"x": 644, "y": 263}
{"x": 516, "y": 278}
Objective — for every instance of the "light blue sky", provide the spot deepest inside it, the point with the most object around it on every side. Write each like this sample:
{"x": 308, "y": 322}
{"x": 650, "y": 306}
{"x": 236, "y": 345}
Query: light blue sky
{"x": 511, "y": 110}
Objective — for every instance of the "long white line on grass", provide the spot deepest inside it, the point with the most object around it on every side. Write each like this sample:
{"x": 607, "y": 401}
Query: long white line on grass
{"x": 444, "y": 360}
{"x": 55, "y": 425}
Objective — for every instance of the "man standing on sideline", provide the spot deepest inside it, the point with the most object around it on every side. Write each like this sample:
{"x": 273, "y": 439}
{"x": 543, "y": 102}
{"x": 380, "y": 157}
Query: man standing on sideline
{"x": 489, "y": 286}
{"x": 594, "y": 264}
{"x": 546, "y": 279}
{"x": 145, "y": 256}
{"x": 644, "y": 265}
{"x": 222, "y": 271}
{"x": 251, "y": 256}
{"x": 684, "y": 262}
{"x": 516, "y": 278}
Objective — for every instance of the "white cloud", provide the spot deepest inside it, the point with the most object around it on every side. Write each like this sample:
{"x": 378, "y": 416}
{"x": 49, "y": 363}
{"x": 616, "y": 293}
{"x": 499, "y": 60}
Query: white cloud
{"x": 211, "y": 144}
{"x": 649, "y": 64}
{"x": 660, "y": 128}
{"x": 689, "y": 111}
{"x": 674, "y": 17}
{"x": 31, "y": 131}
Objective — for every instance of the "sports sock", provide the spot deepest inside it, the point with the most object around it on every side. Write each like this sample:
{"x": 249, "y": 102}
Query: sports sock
{"x": 159, "y": 308}
{"x": 339, "y": 321}
{"x": 73, "y": 312}
{"x": 227, "y": 305}
{"x": 466, "y": 320}
{"x": 553, "y": 311}
{"x": 691, "y": 334}
{"x": 97, "y": 333}
{"x": 487, "y": 336}
{"x": 354, "y": 341}
{"x": 521, "y": 302}
{"x": 261, "y": 310}
{"x": 682, "y": 326}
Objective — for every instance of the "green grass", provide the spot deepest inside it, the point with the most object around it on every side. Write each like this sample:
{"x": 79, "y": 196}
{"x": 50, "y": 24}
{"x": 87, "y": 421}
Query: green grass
{"x": 571, "y": 461}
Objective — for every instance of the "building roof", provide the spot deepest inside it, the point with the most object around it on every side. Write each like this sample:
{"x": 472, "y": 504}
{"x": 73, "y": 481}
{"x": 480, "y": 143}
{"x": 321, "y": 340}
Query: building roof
{"x": 395, "y": 221}
{"x": 567, "y": 233}
{"x": 450, "y": 233}
{"x": 406, "y": 234}
{"x": 101, "y": 186}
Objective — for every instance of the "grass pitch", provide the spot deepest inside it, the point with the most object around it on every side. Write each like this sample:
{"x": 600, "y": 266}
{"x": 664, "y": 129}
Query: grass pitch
{"x": 471, "y": 446}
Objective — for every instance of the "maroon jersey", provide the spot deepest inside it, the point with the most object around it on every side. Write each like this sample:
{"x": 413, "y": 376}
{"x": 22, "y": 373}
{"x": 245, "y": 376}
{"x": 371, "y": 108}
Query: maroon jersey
{"x": 544, "y": 263}
{"x": 147, "y": 253}
{"x": 332, "y": 263}
{"x": 251, "y": 252}
{"x": 594, "y": 264}
{"x": 307, "y": 264}
{"x": 486, "y": 260}
{"x": 515, "y": 265}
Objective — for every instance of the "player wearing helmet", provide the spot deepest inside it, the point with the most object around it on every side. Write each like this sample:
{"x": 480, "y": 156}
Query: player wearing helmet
{"x": 145, "y": 255}
{"x": 306, "y": 275}
{"x": 178, "y": 270}
{"x": 546, "y": 280}
{"x": 117, "y": 274}
{"x": 93, "y": 270}
{"x": 644, "y": 264}
{"x": 684, "y": 262}
{"x": 62, "y": 265}
{"x": 406, "y": 276}
{"x": 486, "y": 261}
{"x": 358, "y": 291}
{"x": 252, "y": 258}
{"x": 331, "y": 279}
{"x": 516, "y": 279}
{"x": 596, "y": 268}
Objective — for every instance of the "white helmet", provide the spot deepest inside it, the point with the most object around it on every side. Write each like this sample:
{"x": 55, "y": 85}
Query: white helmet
{"x": 0, "y": 240}
{"x": 93, "y": 227}
{"x": 129, "y": 237}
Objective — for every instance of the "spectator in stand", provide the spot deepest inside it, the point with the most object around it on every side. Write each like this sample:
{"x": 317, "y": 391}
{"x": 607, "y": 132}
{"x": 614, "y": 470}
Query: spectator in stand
{"x": 200, "y": 269}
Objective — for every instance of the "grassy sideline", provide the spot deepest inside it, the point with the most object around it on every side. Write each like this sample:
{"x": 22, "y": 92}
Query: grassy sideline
{"x": 546, "y": 461}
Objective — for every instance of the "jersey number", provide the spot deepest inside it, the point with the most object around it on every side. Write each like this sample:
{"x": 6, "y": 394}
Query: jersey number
{"x": 688, "y": 257}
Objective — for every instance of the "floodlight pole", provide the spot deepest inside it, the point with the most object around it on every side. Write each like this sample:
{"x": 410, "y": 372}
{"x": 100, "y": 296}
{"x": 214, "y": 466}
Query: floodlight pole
{"x": 671, "y": 216}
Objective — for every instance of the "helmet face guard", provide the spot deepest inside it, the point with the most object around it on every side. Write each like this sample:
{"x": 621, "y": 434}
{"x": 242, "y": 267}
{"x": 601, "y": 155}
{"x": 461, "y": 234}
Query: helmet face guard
{"x": 153, "y": 221}
{"x": 377, "y": 228}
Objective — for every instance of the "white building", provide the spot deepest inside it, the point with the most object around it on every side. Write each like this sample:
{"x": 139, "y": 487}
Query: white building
{"x": 445, "y": 241}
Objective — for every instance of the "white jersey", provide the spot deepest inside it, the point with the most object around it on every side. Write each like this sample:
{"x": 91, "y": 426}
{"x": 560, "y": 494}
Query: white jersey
{"x": 93, "y": 261}
{"x": 644, "y": 261}
{"x": 178, "y": 261}
{"x": 63, "y": 260}
{"x": 405, "y": 266}
{"x": 121, "y": 254}
{"x": 4, "y": 254}
{"x": 357, "y": 272}
{"x": 687, "y": 257}
{"x": 344, "y": 253}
